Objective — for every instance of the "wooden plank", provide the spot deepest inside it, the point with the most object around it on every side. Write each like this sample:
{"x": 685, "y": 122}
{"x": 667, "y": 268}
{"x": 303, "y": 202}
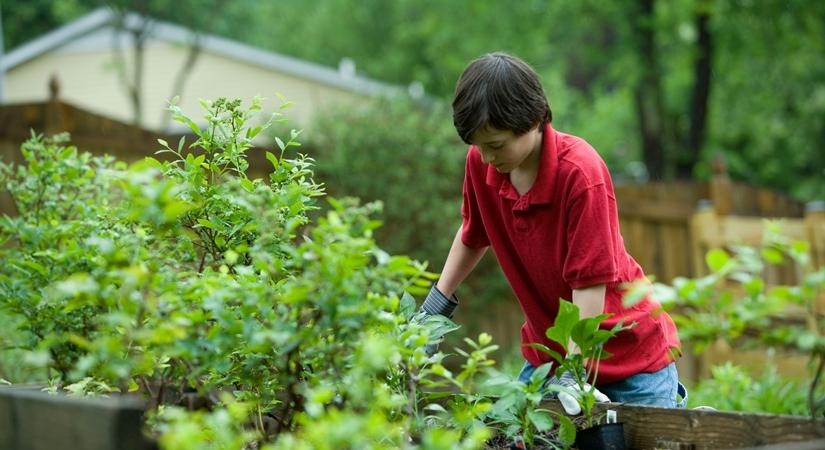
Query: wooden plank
{"x": 818, "y": 444}
{"x": 703, "y": 226}
{"x": 675, "y": 252}
{"x": 648, "y": 427}
{"x": 655, "y": 210}
{"x": 750, "y": 230}
{"x": 34, "y": 420}
{"x": 815, "y": 231}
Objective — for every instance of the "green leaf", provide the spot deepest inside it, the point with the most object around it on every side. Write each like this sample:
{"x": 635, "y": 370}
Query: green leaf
{"x": 772, "y": 255}
{"x": 567, "y": 430}
{"x": 566, "y": 319}
{"x": 716, "y": 259}
{"x": 206, "y": 223}
{"x": 247, "y": 184}
{"x": 540, "y": 419}
{"x": 408, "y": 306}
{"x": 553, "y": 354}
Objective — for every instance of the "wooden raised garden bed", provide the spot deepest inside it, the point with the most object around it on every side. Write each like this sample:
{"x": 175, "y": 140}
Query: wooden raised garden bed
{"x": 649, "y": 427}
{"x": 31, "y": 419}
{"x": 34, "y": 420}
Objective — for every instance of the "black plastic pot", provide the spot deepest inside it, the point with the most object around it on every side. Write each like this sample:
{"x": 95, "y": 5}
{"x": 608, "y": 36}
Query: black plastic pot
{"x": 608, "y": 436}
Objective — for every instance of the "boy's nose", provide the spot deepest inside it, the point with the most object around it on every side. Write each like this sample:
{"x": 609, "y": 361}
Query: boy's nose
{"x": 486, "y": 157}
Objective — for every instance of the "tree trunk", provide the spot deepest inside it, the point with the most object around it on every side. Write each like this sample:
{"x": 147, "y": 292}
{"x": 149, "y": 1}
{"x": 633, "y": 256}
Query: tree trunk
{"x": 699, "y": 97}
{"x": 136, "y": 89}
{"x": 648, "y": 92}
{"x": 183, "y": 74}
{"x": 2, "y": 52}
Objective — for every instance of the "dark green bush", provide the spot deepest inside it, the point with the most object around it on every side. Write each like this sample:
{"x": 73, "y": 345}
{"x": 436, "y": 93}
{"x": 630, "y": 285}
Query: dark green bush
{"x": 200, "y": 288}
{"x": 407, "y": 155}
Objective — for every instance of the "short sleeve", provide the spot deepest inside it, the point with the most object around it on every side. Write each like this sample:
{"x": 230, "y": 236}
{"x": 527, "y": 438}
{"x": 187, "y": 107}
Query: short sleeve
{"x": 591, "y": 237}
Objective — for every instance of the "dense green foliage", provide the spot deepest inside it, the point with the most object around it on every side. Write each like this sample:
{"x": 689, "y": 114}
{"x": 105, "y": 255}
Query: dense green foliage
{"x": 733, "y": 388}
{"x": 406, "y": 155}
{"x": 183, "y": 279}
{"x": 736, "y": 303}
{"x": 217, "y": 298}
{"x": 629, "y": 76}
{"x": 765, "y": 74}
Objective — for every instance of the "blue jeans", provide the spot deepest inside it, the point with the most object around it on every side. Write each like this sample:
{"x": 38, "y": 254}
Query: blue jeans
{"x": 661, "y": 388}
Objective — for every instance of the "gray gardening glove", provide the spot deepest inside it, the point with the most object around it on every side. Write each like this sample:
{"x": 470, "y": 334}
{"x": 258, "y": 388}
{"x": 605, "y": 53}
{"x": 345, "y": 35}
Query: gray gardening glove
{"x": 572, "y": 392}
{"x": 437, "y": 303}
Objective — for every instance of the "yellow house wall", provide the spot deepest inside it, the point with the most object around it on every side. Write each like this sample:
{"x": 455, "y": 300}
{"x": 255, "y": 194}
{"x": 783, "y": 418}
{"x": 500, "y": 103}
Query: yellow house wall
{"x": 88, "y": 79}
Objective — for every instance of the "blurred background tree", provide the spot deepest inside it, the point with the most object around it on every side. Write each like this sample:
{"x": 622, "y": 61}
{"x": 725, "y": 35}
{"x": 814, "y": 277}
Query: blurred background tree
{"x": 667, "y": 84}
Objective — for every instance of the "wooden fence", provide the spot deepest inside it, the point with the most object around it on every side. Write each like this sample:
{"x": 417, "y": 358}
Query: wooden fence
{"x": 89, "y": 131}
{"x": 657, "y": 220}
{"x": 669, "y": 228}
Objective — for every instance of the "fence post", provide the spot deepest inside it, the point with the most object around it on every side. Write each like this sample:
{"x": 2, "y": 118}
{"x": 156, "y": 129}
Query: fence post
{"x": 721, "y": 189}
{"x": 54, "y": 122}
{"x": 703, "y": 226}
{"x": 815, "y": 225}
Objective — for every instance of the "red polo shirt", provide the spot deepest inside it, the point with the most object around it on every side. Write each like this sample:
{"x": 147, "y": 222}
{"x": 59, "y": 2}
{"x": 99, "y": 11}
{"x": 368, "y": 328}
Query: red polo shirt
{"x": 563, "y": 234}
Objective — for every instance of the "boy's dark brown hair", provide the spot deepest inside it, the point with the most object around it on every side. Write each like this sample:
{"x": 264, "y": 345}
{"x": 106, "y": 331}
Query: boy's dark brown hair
{"x": 500, "y": 90}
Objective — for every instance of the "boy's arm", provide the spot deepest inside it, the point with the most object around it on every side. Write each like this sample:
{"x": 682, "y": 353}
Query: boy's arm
{"x": 590, "y": 301}
{"x": 442, "y": 300}
{"x": 460, "y": 262}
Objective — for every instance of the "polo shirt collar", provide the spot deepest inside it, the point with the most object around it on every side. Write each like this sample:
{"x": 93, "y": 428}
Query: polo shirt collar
{"x": 542, "y": 189}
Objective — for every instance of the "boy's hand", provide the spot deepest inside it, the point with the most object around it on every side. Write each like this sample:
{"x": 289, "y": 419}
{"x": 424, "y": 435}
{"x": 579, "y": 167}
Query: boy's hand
{"x": 569, "y": 397}
{"x": 437, "y": 303}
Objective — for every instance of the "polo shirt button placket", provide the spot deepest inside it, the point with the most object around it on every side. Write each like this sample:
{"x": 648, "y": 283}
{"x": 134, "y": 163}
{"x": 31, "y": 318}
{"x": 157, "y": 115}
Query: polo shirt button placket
{"x": 519, "y": 212}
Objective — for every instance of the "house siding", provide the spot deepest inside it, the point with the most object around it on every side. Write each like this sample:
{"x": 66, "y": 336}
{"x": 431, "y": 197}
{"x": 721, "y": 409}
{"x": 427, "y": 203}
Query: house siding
{"x": 88, "y": 79}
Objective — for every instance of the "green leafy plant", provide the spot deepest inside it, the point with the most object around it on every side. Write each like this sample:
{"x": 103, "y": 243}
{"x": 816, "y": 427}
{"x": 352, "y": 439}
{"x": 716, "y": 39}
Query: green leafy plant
{"x": 465, "y": 405}
{"x": 520, "y": 411}
{"x": 520, "y": 414}
{"x": 732, "y": 388}
{"x": 590, "y": 339}
{"x": 215, "y": 295}
{"x": 57, "y": 197}
{"x": 736, "y": 303}
{"x": 412, "y": 160}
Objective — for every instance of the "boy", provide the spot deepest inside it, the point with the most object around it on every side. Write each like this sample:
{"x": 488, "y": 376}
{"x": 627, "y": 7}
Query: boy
{"x": 544, "y": 201}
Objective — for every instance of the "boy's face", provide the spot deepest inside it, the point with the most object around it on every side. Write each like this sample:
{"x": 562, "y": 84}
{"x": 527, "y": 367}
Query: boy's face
{"x": 506, "y": 151}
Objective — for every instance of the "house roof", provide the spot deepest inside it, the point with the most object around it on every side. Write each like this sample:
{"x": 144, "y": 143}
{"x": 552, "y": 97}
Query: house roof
{"x": 89, "y": 30}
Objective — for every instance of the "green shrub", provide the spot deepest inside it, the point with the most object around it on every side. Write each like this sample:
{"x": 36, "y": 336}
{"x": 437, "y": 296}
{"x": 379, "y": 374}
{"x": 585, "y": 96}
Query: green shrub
{"x": 732, "y": 388}
{"x": 217, "y": 297}
{"x": 404, "y": 154}
{"x": 407, "y": 156}
{"x": 736, "y": 303}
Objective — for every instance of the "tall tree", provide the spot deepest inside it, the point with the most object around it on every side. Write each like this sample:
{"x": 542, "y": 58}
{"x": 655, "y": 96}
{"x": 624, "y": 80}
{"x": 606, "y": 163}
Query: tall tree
{"x": 650, "y": 110}
{"x": 25, "y": 20}
{"x": 700, "y": 94}
{"x": 664, "y": 82}
{"x": 2, "y": 51}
